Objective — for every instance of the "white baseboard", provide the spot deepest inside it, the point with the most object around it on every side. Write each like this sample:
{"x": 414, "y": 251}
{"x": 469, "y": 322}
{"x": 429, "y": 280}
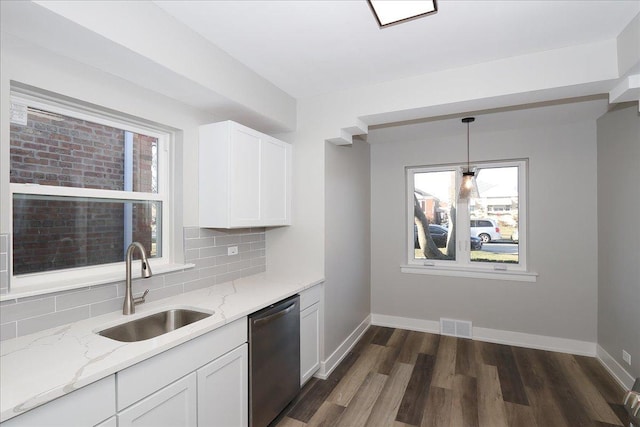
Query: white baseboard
{"x": 327, "y": 366}
{"x": 518, "y": 339}
{"x": 419, "y": 325}
{"x": 615, "y": 369}
{"x": 539, "y": 342}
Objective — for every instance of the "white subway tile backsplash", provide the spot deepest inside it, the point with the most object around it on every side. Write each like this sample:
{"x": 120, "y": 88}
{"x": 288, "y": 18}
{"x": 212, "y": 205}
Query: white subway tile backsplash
{"x": 107, "y": 306}
{"x": 4, "y": 243}
{"x": 240, "y": 265}
{"x": 258, "y": 245}
{"x": 85, "y": 297}
{"x": 165, "y": 292}
{"x": 199, "y": 284}
{"x": 258, "y": 261}
{"x": 200, "y": 243}
{"x": 52, "y": 320}
{"x": 181, "y": 277}
{"x": 191, "y": 255}
{"x": 213, "y": 251}
{"x": 4, "y": 264}
{"x": 191, "y": 232}
{"x": 8, "y": 331}
{"x": 26, "y": 309}
{"x": 228, "y": 277}
{"x": 212, "y": 232}
{"x": 206, "y": 248}
{"x": 213, "y": 271}
{"x": 227, "y": 240}
{"x": 252, "y": 238}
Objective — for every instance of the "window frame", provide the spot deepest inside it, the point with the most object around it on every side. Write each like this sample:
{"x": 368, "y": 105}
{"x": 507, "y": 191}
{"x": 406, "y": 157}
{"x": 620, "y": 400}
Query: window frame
{"x": 463, "y": 265}
{"x": 51, "y": 281}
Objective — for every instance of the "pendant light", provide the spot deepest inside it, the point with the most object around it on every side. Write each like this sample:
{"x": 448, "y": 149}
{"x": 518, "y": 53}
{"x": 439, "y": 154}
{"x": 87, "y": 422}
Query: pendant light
{"x": 469, "y": 187}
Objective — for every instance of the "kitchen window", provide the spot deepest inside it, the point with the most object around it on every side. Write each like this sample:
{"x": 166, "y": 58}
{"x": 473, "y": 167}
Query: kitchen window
{"x": 484, "y": 236}
{"x": 84, "y": 184}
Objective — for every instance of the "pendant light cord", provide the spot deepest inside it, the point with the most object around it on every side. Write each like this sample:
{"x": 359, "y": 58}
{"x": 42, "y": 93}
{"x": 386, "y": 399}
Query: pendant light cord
{"x": 468, "y": 120}
{"x": 468, "y": 165}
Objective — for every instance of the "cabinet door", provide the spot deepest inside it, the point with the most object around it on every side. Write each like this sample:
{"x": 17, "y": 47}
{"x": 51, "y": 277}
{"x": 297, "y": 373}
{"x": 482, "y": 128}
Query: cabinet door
{"x": 309, "y": 342}
{"x": 174, "y": 405}
{"x": 275, "y": 178}
{"x": 244, "y": 185}
{"x": 223, "y": 388}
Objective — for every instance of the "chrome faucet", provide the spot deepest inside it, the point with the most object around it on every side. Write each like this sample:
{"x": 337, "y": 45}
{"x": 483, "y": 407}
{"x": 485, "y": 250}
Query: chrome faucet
{"x": 130, "y": 302}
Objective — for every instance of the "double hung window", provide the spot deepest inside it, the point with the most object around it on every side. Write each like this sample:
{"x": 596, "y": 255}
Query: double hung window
{"x": 83, "y": 186}
{"x": 486, "y": 233}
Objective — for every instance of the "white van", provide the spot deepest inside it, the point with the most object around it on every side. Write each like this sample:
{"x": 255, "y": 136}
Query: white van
{"x": 485, "y": 229}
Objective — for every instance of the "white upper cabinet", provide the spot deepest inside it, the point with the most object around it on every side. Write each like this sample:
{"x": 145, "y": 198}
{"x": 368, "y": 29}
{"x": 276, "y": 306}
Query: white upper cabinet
{"x": 244, "y": 177}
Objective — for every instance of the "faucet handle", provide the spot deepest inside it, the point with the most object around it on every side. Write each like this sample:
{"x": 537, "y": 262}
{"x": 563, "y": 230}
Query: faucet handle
{"x": 140, "y": 300}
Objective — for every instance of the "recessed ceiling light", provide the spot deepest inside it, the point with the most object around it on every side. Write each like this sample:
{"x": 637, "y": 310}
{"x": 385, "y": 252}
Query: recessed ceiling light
{"x": 392, "y": 11}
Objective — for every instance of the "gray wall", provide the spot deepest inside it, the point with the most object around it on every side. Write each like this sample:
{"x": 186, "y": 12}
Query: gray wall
{"x": 562, "y": 224}
{"x": 619, "y": 235}
{"x": 347, "y": 255}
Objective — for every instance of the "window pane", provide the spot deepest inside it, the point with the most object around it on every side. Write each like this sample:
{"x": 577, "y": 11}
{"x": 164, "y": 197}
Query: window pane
{"x": 52, "y": 149}
{"x": 494, "y": 216}
{"x": 54, "y": 233}
{"x": 434, "y": 207}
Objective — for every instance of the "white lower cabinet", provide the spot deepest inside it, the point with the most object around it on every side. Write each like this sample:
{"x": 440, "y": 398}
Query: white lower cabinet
{"x": 310, "y": 331}
{"x": 203, "y": 382}
{"x": 174, "y": 405}
{"x": 223, "y": 390}
{"x": 309, "y": 342}
{"x": 88, "y": 406}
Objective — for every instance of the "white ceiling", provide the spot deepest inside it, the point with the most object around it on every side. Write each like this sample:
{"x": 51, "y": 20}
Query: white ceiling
{"x": 308, "y": 47}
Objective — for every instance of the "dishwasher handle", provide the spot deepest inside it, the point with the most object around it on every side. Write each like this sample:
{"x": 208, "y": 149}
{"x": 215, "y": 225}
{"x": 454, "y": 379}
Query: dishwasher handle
{"x": 274, "y": 316}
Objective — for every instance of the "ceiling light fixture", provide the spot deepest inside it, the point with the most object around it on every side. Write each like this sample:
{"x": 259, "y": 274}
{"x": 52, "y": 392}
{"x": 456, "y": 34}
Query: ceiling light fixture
{"x": 390, "y": 12}
{"x": 469, "y": 187}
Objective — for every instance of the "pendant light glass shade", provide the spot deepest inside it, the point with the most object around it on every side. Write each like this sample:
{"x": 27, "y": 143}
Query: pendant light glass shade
{"x": 469, "y": 187}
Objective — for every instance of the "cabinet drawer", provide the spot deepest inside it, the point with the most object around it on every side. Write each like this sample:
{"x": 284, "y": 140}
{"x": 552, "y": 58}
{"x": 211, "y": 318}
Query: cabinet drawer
{"x": 144, "y": 378}
{"x": 310, "y": 296}
{"x": 87, "y": 406}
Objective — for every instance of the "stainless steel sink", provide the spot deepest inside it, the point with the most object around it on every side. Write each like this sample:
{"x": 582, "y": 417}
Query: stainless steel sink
{"x": 154, "y": 325}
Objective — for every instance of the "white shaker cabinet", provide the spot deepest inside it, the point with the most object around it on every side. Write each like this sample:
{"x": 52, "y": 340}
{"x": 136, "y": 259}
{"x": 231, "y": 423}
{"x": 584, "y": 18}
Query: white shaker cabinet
{"x": 310, "y": 331}
{"x": 223, "y": 390}
{"x": 88, "y": 406}
{"x": 174, "y": 405}
{"x": 201, "y": 382}
{"x": 244, "y": 177}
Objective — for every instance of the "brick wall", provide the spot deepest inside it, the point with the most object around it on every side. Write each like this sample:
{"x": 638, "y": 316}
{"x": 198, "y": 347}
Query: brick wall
{"x": 53, "y": 234}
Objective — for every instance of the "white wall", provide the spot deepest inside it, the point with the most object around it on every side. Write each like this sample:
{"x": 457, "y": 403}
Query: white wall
{"x": 619, "y": 235}
{"x": 347, "y": 241}
{"x": 562, "y": 225}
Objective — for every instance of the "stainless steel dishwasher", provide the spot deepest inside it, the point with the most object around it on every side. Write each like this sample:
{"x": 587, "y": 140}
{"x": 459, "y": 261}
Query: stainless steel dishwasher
{"x": 274, "y": 360}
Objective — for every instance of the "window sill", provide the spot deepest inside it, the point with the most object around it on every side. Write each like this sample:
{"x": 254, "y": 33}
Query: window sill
{"x": 516, "y": 276}
{"x": 48, "y": 287}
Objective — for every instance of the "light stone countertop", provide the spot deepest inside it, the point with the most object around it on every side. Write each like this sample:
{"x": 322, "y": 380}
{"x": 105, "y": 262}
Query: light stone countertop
{"x": 40, "y": 367}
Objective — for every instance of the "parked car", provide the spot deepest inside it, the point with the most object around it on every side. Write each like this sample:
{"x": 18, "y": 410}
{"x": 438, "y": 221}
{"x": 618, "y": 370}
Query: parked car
{"x": 485, "y": 229}
{"x": 439, "y": 234}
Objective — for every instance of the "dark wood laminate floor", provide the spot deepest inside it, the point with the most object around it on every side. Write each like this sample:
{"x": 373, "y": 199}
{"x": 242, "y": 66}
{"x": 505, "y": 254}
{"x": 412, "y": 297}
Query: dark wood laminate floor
{"x": 399, "y": 378}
